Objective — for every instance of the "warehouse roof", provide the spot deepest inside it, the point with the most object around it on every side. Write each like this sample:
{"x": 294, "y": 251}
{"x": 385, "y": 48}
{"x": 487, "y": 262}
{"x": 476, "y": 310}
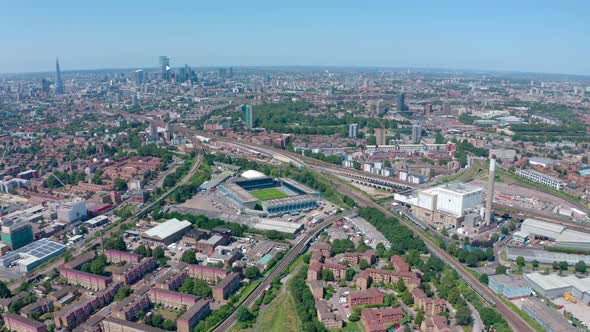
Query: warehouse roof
{"x": 167, "y": 228}
{"x": 554, "y": 281}
{"x": 573, "y": 236}
{"x": 281, "y": 226}
{"x": 531, "y": 222}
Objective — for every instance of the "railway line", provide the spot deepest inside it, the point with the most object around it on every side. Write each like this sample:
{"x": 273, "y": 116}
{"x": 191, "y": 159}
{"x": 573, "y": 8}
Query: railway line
{"x": 298, "y": 249}
{"x": 516, "y": 322}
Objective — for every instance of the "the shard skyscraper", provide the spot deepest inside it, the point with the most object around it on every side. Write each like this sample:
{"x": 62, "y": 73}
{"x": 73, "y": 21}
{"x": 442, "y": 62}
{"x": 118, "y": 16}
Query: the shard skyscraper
{"x": 59, "y": 84}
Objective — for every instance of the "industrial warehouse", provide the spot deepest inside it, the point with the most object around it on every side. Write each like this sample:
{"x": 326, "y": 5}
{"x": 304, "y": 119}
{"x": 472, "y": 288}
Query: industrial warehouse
{"x": 167, "y": 232}
{"x": 253, "y": 190}
{"x": 563, "y": 237}
{"x": 32, "y": 255}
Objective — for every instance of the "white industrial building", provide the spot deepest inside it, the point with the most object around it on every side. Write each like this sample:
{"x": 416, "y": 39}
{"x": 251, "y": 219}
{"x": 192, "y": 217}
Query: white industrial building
{"x": 445, "y": 206}
{"x": 72, "y": 211}
{"x": 457, "y": 198}
{"x": 542, "y": 178}
{"x": 279, "y": 226}
{"x": 553, "y": 285}
{"x": 167, "y": 232}
{"x": 563, "y": 237}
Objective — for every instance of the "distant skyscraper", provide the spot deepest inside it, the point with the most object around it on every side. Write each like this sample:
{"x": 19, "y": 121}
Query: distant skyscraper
{"x": 45, "y": 84}
{"x": 247, "y": 110}
{"x": 139, "y": 77}
{"x": 222, "y": 72}
{"x": 231, "y": 72}
{"x": 428, "y": 109}
{"x": 381, "y": 136}
{"x": 165, "y": 67}
{"x": 416, "y": 133}
{"x": 59, "y": 84}
{"x": 401, "y": 105}
{"x": 353, "y": 130}
{"x": 446, "y": 109}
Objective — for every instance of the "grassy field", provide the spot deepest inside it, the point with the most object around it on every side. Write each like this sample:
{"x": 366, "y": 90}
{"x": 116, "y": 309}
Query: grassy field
{"x": 267, "y": 194}
{"x": 350, "y": 326}
{"x": 281, "y": 316}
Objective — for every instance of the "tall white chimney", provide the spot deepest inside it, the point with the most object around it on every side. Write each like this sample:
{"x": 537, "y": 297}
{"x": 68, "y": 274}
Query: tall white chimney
{"x": 490, "y": 198}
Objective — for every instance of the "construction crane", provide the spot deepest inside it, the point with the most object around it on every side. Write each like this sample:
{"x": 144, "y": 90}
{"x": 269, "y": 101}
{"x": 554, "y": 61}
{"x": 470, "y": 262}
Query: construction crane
{"x": 58, "y": 179}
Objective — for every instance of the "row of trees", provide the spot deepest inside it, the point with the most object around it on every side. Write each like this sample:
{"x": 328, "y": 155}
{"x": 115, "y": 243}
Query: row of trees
{"x": 446, "y": 281}
{"x": 471, "y": 257}
{"x": 400, "y": 237}
{"x": 96, "y": 266}
{"x": 305, "y": 303}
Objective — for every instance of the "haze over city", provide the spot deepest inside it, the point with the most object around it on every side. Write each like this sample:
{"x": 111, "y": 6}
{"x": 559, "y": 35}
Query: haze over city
{"x": 307, "y": 166}
{"x": 526, "y": 36}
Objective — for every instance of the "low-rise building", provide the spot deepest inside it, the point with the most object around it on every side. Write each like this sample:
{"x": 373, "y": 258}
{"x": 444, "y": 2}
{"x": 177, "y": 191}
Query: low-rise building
{"x": 378, "y": 319}
{"x": 511, "y": 286}
{"x": 355, "y": 257}
{"x": 228, "y": 285}
{"x": 379, "y": 276}
{"x": 115, "y": 256}
{"x": 128, "y": 307}
{"x": 75, "y": 314}
{"x": 130, "y": 272}
{"x": 39, "y": 307}
{"x": 429, "y": 305}
{"x": 338, "y": 270}
{"x": 22, "y": 324}
{"x": 87, "y": 280}
{"x": 112, "y": 324}
{"x": 192, "y": 316}
{"x": 435, "y": 324}
{"x": 326, "y": 316}
{"x": 364, "y": 297}
{"x": 207, "y": 246}
{"x": 209, "y": 274}
{"x": 166, "y": 232}
{"x": 171, "y": 280}
{"x": 549, "y": 319}
{"x": 317, "y": 289}
{"x": 314, "y": 272}
{"x": 172, "y": 299}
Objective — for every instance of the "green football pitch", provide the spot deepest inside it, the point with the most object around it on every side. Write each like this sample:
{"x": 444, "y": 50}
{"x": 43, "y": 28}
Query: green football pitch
{"x": 268, "y": 193}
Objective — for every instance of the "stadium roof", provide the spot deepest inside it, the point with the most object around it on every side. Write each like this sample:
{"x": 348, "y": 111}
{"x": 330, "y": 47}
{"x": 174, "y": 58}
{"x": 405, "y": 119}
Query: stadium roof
{"x": 167, "y": 228}
{"x": 252, "y": 174}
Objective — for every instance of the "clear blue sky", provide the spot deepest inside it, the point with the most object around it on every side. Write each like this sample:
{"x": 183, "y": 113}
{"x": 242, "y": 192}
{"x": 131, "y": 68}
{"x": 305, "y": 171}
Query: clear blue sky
{"x": 519, "y": 35}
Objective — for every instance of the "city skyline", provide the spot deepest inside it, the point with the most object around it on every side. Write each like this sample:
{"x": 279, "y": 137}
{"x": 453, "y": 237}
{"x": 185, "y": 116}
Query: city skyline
{"x": 525, "y": 37}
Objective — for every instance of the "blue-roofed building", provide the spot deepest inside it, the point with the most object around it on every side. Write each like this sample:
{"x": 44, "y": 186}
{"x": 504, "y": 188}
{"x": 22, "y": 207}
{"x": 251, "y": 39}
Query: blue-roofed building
{"x": 584, "y": 172}
{"x": 33, "y": 254}
{"x": 511, "y": 286}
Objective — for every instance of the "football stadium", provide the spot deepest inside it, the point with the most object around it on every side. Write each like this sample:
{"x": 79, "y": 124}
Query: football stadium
{"x": 274, "y": 196}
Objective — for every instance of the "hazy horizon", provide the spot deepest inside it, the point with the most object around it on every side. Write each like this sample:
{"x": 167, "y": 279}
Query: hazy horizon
{"x": 526, "y": 36}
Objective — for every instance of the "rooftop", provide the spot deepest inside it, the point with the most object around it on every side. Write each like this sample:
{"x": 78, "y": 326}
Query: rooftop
{"x": 549, "y": 226}
{"x": 167, "y": 228}
{"x": 252, "y": 174}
